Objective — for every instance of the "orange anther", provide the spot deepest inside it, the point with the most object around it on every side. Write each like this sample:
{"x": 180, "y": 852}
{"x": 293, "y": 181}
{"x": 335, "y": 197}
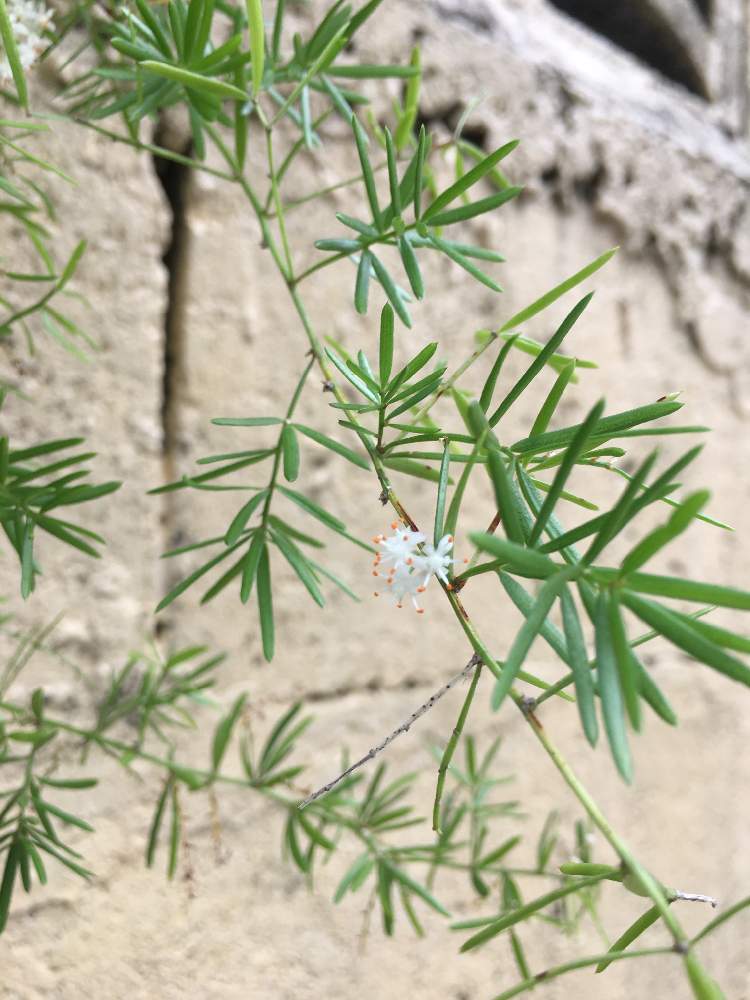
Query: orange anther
{"x": 466, "y": 560}
{"x": 375, "y": 573}
{"x": 450, "y": 538}
{"x": 375, "y": 593}
{"x": 399, "y": 605}
{"x": 449, "y": 586}
{"x": 420, "y": 611}
{"x": 409, "y": 562}
{"x": 394, "y": 525}
{"x": 421, "y": 590}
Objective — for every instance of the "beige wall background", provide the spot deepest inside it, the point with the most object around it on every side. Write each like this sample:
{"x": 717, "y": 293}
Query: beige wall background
{"x": 613, "y": 152}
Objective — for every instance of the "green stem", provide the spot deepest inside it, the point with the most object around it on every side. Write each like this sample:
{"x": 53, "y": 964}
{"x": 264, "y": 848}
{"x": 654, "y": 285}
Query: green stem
{"x": 319, "y": 355}
{"x": 579, "y": 963}
{"x": 34, "y": 307}
{"x": 554, "y": 689}
{"x": 471, "y": 633}
{"x": 286, "y": 163}
{"x": 160, "y": 151}
{"x": 450, "y": 748}
{"x": 251, "y": 196}
{"x": 342, "y": 255}
{"x": 381, "y": 428}
{"x": 275, "y": 194}
{"x": 647, "y": 881}
{"x": 322, "y": 192}
{"x": 311, "y": 71}
{"x": 488, "y": 567}
{"x": 107, "y": 743}
{"x": 451, "y": 382}
{"x": 278, "y": 450}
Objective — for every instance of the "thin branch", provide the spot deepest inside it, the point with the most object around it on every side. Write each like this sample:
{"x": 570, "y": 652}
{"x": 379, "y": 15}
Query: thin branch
{"x": 403, "y": 728}
{"x": 696, "y": 897}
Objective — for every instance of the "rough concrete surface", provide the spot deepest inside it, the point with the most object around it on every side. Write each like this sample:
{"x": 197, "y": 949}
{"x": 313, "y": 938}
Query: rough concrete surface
{"x": 611, "y": 154}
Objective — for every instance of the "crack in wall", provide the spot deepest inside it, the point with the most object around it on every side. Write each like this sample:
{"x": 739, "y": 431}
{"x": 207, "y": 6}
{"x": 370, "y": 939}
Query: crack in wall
{"x": 173, "y": 178}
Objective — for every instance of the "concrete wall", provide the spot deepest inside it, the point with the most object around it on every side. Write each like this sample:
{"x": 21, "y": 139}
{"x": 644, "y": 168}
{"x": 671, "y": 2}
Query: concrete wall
{"x": 612, "y": 153}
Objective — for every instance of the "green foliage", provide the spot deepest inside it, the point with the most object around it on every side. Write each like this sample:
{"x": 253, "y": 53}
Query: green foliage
{"x": 30, "y": 489}
{"x": 27, "y": 204}
{"x": 10, "y": 48}
{"x": 387, "y": 226}
{"x": 251, "y": 542}
{"x": 264, "y": 89}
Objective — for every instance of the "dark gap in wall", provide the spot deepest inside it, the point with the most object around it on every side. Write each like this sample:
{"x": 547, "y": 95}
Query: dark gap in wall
{"x": 641, "y": 28}
{"x": 714, "y": 245}
{"x": 448, "y": 116}
{"x": 587, "y": 187}
{"x": 475, "y": 134}
{"x": 173, "y": 178}
{"x": 691, "y": 332}
{"x": 706, "y": 10}
{"x": 551, "y": 178}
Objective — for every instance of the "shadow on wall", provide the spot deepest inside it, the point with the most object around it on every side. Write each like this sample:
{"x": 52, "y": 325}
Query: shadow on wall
{"x": 668, "y": 35}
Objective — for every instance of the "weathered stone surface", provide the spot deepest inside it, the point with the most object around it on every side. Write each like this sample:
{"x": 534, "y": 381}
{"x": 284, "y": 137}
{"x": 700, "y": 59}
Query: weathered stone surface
{"x": 610, "y": 155}
{"x": 238, "y": 921}
{"x": 113, "y": 401}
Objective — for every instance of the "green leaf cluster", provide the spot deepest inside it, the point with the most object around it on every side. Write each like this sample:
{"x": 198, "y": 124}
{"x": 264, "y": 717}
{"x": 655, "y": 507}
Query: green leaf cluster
{"x": 34, "y": 482}
{"x": 386, "y": 225}
{"x": 251, "y": 542}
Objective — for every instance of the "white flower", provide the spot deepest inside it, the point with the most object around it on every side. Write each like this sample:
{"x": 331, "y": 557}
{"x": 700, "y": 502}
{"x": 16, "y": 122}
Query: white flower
{"x": 405, "y": 583}
{"x": 398, "y": 550}
{"x": 28, "y": 21}
{"x": 408, "y": 560}
{"x": 435, "y": 560}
